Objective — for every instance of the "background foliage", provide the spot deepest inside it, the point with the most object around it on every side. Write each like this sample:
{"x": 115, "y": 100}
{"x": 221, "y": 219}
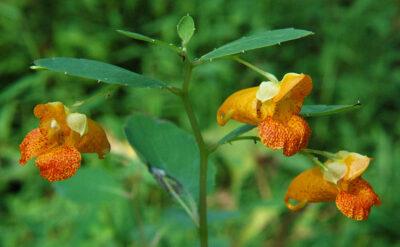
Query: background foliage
{"x": 354, "y": 55}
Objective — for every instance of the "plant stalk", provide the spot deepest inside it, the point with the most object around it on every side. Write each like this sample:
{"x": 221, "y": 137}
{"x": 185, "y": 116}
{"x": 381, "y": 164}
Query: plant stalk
{"x": 315, "y": 160}
{"x": 269, "y": 76}
{"x": 325, "y": 154}
{"x": 203, "y": 227}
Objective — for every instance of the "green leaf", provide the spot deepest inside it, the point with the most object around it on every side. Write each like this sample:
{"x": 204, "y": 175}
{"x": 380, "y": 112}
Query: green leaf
{"x": 90, "y": 185}
{"x": 231, "y": 136}
{"x": 167, "y": 148}
{"x": 137, "y": 36}
{"x": 266, "y": 38}
{"x": 142, "y": 37}
{"x": 325, "y": 110}
{"x": 235, "y": 133}
{"x": 185, "y": 28}
{"x": 102, "y": 72}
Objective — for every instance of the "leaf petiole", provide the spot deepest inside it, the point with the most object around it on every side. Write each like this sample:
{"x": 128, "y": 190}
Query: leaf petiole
{"x": 193, "y": 215}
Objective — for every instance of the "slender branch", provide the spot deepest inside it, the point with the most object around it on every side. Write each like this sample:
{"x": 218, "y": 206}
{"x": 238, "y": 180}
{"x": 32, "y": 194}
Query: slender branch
{"x": 203, "y": 227}
{"x": 322, "y": 153}
{"x": 188, "y": 68}
{"x": 269, "y": 76}
{"x": 104, "y": 93}
{"x": 314, "y": 159}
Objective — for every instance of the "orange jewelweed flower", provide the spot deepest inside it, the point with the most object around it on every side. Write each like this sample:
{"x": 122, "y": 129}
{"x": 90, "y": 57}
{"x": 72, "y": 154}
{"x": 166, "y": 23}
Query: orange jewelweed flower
{"x": 59, "y": 140}
{"x": 274, "y": 108}
{"x": 341, "y": 182}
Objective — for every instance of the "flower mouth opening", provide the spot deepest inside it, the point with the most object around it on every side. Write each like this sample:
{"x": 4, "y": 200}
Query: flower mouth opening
{"x": 223, "y": 117}
{"x": 294, "y": 205}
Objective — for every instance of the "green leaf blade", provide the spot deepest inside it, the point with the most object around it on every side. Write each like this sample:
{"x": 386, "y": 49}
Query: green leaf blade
{"x": 235, "y": 133}
{"x": 326, "y": 110}
{"x": 136, "y": 36}
{"x": 185, "y": 29}
{"x": 99, "y": 71}
{"x": 264, "y": 39}
{"x": 163, "y": 145}
{"x": 142, "y": 37}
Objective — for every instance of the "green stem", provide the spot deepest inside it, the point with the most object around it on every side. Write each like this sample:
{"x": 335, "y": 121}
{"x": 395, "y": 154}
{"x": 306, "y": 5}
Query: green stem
{"x": 269, "y": 76}
{"x": 203, "y": 229}
{"x": 322, "y": 153}
{"x": 314, "y": 159}
{"x": 104, "y": 93}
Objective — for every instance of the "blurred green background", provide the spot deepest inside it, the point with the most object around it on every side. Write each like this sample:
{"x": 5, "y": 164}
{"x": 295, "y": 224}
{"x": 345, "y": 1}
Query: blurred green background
{"x": 353, "y": 55}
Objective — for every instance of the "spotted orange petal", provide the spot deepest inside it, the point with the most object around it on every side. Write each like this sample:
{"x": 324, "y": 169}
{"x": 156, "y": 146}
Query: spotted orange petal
{"x": 299, "y": 133}
{"x": 94, "y": 141}
{"x": 59, "y": 163}
{"x": 309, "y": 186}
{"x": 33, "y": 144}
{"x": 244, "y": 107}
{"x": 292, "y": 136}
{"x": 357, "y": 199}
{"x": 273, "y": 133}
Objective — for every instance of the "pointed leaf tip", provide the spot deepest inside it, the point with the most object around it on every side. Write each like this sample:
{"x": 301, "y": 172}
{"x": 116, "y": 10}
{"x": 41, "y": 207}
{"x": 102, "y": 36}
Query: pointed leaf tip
{"x": 141, "y": 37}
{"x": 325, "y": 110}
{"x": 34, "y": 67}
{"x": 136, "y": 36}
{"x": 255, "y": 41}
